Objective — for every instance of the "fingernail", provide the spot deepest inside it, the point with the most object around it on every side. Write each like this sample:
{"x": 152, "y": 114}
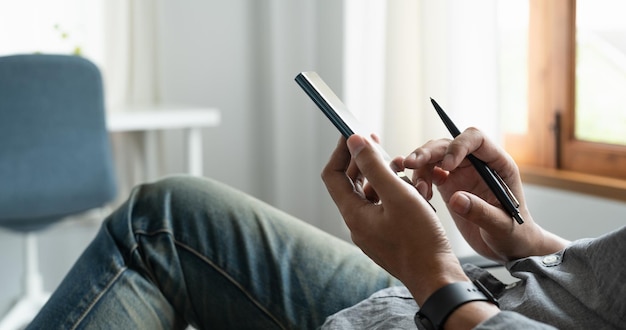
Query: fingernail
{"x": 355, "y": 145}
{"x": 414, "y": 157}
{"x": 446, "y": 162}
{"x": 461, "y": 204}
{"x": 422, "y": 188}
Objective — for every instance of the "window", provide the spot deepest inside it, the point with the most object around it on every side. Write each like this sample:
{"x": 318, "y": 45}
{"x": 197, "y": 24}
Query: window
{"x": 56, "y": 27}
{"x": 576, "y": 127}
{"x": 600, "y": 63}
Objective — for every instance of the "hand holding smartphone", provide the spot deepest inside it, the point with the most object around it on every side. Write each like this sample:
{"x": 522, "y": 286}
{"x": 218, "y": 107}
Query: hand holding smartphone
{"x": 337, "y": 112}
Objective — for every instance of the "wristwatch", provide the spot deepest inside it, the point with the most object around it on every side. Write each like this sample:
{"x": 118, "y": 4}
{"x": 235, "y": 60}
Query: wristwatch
{"x": 438, "y": 307}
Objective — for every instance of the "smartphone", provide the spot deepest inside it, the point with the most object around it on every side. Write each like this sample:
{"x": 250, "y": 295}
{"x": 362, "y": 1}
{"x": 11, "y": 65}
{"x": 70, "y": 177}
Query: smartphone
{"x": 329, "y": 103}
{"x": 336, "y": 111}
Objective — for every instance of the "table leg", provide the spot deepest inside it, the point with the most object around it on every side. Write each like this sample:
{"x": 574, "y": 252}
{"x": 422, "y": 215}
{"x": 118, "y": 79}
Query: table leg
{"x": 150, "y": 154}
{"x": 194, "y": 151}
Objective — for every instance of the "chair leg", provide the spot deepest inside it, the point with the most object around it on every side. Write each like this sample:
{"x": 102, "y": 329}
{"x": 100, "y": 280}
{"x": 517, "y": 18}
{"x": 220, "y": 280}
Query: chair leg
{"x": 33, "y": 295}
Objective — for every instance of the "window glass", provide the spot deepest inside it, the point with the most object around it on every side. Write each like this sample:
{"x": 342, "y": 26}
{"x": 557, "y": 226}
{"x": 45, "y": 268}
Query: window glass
{"x": 601, "y": 71}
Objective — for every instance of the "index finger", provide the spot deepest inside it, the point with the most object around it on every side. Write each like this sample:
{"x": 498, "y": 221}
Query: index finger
{"x": 473, "y": 141}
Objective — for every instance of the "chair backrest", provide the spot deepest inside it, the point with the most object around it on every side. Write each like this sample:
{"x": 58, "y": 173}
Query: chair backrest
{"x": 55, "y": 154}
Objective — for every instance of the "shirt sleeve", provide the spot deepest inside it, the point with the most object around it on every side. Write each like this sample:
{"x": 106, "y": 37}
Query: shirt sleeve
{"x": 506, "y": 320}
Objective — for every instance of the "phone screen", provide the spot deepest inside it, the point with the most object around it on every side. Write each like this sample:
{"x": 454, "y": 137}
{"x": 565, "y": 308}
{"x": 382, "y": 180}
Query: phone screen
{"x": 333, "y": 107}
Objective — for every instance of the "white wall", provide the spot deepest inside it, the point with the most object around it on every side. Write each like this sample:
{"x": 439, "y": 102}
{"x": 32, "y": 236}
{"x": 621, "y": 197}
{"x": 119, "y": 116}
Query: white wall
{"x": 574, "y": 215}
{"x": 242, "y": 57}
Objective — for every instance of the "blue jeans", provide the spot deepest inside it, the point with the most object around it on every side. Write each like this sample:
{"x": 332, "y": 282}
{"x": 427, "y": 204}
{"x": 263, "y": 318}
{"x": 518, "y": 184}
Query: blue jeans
{"x": 193, "y": 251}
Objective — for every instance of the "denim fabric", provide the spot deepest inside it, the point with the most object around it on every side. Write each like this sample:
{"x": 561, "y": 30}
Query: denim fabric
{"x": 193, "y": 251}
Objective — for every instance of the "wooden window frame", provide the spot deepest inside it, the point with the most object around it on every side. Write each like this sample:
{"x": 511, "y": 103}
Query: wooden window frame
{"x": 549, "y": 153}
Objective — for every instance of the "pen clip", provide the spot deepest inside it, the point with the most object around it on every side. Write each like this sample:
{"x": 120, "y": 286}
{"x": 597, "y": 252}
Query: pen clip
{"x": 507, "y": 190}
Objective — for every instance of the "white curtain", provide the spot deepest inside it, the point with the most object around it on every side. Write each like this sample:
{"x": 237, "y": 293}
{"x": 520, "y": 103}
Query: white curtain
{"x": 294, "y": 140}
{"x": 441, "y": 49}
{"x": 130, "y": 57}
{"x": 129, "y": 68}
{"x": 242, "y": 57}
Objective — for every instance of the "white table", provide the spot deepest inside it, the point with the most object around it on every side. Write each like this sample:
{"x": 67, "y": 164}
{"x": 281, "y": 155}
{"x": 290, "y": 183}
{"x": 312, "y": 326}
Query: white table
{"x": 149, "y": 120}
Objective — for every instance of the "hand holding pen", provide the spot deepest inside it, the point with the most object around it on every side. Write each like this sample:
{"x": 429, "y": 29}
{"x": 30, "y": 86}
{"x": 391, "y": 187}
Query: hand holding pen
{"x": 475, "y": 209}
{"x": 495, "y": 183}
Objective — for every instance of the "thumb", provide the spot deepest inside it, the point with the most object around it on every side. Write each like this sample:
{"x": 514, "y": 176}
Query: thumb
{"x": 372, "y": 165}
{"x": 475, "y": 210}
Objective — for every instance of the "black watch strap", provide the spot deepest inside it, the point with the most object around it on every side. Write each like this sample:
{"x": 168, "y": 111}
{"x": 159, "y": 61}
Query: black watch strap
{"x": 438, "y": 307}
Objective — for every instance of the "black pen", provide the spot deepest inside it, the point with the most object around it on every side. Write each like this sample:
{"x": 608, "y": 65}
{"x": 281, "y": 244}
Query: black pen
{"x": 494, "y": 181}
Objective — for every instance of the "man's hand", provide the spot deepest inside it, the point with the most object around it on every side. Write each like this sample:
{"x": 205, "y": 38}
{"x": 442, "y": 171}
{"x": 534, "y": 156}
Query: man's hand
{"x": 397, "y": 228}
{"x": 474, "y": 208}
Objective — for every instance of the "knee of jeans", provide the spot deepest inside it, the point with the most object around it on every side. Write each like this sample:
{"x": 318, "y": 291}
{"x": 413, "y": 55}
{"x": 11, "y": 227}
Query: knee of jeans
{"x": 174, "y": 198}
{"x": 183, "y": 189}
{"x": 190, "y": 193}
{"x": 174, "y": 183}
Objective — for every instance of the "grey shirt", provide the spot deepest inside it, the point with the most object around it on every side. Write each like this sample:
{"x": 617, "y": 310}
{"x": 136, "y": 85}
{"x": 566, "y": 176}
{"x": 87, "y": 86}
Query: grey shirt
{"x": 581, "y": 287}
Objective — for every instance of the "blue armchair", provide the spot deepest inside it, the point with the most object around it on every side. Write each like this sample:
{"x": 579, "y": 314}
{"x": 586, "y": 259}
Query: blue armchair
{"x": 55, "y": 156}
